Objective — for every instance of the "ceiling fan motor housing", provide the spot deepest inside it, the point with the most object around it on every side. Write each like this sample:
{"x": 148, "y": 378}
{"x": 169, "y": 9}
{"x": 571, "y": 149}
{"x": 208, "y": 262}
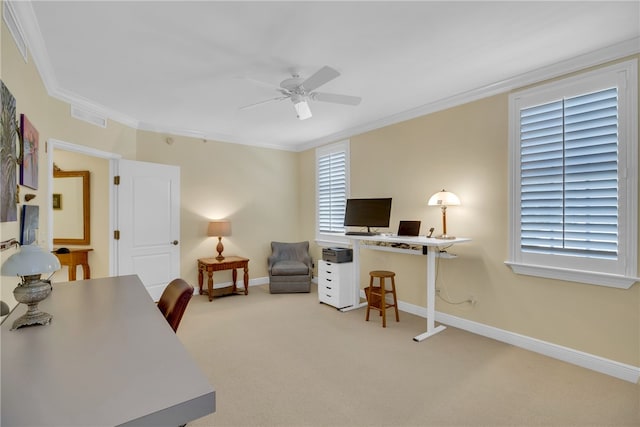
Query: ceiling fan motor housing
{"x": 293, "y": 85}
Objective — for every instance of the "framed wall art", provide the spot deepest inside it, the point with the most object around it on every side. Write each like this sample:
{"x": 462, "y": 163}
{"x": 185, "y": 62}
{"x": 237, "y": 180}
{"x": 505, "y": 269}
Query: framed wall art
{"x": 29, "y": 165}
{"x": 30, "y": 217}
{"x": 8, "y": 158}
{"x": 57, "y": 201}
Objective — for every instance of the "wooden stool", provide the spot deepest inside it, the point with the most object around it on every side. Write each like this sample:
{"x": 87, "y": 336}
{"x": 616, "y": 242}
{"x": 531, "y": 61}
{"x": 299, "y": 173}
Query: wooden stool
{"x": 376, "y": 295}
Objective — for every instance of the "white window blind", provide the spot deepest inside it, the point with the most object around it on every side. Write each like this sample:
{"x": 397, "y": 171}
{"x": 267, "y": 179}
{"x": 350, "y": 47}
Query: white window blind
{"x": 573, "y": 169}
{"x": 332, "y": 182}
{"x": 569, "y": 176}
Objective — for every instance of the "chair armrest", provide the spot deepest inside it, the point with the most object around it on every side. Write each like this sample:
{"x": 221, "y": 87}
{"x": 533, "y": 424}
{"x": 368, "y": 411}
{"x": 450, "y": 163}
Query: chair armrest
{"x": 307, "y": 260}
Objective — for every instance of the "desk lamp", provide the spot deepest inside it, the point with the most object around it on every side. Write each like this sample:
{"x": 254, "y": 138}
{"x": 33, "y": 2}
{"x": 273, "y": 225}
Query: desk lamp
{"x": 443, "y": 199}
{"x": 219, "y": 228}
{"x": 29, "y": 263}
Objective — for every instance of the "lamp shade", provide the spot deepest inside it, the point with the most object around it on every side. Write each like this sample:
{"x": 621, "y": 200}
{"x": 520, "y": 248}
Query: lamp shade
{"x": 29, "y": 261}
{"x": 444, "y": 198}
{"x": 219, "y": 228}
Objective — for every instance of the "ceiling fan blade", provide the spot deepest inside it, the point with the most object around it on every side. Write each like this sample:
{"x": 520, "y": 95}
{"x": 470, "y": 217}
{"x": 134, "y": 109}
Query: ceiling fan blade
{"x": 336, "y": 98}
{"x": 322, "y": 76}
{"x": 259, "y": 82}
{"x": 255, "y": 104}
{"x": 267, "y": 85}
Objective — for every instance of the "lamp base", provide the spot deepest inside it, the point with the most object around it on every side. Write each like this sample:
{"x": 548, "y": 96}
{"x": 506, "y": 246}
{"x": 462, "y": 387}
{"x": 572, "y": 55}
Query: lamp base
{"x": 31, "y": 292}
{"x": 445, "y": 237}
{"x": 29, "y": 319}
{"x": 219, "y": 249}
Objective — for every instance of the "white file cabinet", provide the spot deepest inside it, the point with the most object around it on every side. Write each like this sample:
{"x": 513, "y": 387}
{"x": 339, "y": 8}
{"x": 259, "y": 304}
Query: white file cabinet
{"x": 335, "y": 285}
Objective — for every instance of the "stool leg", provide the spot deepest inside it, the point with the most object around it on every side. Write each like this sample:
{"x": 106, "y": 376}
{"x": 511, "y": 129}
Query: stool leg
{"x": 395, "y": 298}
{"x": 383, "y": 302}
{"x": 368, "y": 295}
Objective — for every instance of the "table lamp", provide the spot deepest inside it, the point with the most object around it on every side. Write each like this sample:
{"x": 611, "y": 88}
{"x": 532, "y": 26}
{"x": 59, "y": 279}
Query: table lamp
{"x": 219, "y": 228}
{"x": 29, "y": 263}
{"x": 443, "y": 199}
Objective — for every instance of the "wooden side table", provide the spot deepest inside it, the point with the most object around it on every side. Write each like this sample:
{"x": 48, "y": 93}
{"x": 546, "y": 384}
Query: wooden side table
{"x": 228, "y": 263}
{"x": 74, "y": 258}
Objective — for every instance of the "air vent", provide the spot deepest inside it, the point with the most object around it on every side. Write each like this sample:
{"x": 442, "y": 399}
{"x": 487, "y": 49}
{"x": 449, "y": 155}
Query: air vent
{"x": 14, "y": 28}
{"x": 88, "y": 116}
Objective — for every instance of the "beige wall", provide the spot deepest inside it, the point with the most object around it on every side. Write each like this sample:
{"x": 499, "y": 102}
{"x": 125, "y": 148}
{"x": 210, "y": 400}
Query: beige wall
{"x": 52, "y": 119}
{"x": 464, "y": 149}
{"x": 256, "y": 188}
{"x": 269, "y": 195}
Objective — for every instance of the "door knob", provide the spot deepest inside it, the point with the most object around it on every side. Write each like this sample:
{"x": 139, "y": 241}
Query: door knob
{"x": 175, "y": 243}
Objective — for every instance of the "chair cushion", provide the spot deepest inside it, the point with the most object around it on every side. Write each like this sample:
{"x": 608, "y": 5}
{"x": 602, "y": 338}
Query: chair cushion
{"x": 289, "y": 267}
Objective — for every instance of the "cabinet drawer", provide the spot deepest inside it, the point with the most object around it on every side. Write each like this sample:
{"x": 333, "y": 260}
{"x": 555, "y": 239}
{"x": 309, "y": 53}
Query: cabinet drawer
{"x": 327, "y": 288}
{"x": 328, "y": 299}
{"x": 333, "y": 281}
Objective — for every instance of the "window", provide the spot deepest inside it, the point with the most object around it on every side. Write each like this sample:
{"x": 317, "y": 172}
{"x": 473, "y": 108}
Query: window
{"x": 573, "y": 146}
{"x": 332, "y": 185}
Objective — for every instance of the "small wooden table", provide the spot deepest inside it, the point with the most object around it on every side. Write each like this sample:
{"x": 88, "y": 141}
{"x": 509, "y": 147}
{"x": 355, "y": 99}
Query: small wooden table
{"x": 74, "y": 258}
{"x": 228, "y": 263}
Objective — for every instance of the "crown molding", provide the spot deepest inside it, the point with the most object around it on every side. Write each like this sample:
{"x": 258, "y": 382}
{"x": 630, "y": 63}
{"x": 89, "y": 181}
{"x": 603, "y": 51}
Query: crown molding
{"x": 26, "y": 18}
{"x": 592, "y": 59}
{"x": 24, "y": 14}
{"x": 13, "y": 25}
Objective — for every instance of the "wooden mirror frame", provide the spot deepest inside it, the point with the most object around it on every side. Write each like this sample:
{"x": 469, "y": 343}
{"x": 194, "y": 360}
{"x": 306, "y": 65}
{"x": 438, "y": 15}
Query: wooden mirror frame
{"x": 86, "y": 212}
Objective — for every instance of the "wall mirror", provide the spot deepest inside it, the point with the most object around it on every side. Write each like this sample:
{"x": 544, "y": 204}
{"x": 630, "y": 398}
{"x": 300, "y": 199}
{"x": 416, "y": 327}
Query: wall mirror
{"x": 71, "y": 214}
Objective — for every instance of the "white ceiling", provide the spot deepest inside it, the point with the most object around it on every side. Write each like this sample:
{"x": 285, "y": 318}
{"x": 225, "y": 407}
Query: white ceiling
{"x": 187, "y": 67}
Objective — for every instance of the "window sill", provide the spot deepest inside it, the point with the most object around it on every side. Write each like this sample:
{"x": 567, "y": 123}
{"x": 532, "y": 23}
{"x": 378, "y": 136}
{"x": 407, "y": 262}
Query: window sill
{"x": 592, "y": 278}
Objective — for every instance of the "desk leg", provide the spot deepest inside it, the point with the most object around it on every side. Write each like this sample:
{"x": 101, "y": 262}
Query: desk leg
{"x": 210, "y": 284}
{"x": 72, "y": 272}
{"x": 200, "y": 280}
{"x": 86, "y": 271}
{"x": 356, "y": 278}
{"x": 431, "y": 296}
{"x": 246, "y": 279}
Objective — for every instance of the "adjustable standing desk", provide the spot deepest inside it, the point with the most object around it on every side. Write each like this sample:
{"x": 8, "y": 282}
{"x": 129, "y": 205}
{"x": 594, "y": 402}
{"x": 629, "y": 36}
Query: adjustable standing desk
{"x": 433, "y": 246}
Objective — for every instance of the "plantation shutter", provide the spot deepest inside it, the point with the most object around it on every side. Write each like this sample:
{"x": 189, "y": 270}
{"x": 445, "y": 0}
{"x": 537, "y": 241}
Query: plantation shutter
{"x": 569, "y": 176}
{"x": 332, "y": 191}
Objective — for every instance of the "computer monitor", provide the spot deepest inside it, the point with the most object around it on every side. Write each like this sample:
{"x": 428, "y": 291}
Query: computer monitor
{"x": 367, "y": 213}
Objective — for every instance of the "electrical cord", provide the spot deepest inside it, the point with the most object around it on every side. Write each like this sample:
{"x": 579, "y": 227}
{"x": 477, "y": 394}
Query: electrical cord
{"x": 446, "y": 298}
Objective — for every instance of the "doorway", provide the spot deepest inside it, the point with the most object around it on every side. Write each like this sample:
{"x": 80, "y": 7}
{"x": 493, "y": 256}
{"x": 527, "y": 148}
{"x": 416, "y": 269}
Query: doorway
{"x": 74, "y": 157}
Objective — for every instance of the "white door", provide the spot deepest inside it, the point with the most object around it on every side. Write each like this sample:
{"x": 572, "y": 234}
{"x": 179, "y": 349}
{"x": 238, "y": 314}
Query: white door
{"x": 148, "y": 221}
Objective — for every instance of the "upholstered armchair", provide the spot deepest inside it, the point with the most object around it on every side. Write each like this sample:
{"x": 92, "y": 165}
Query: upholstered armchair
{"x": 290, "y": 267}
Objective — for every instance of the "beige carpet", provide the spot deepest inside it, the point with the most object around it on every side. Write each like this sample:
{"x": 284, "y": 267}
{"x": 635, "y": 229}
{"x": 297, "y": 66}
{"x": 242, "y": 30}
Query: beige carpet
{"x": 286, "y": 360}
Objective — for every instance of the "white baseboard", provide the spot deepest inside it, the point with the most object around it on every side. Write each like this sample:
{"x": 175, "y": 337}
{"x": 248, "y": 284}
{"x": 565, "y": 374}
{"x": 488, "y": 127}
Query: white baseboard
{"x": 586, "y": 360}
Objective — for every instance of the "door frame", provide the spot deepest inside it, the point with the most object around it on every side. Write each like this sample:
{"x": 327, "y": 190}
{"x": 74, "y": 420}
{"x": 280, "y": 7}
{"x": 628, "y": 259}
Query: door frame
{"x": 113, "y": 158}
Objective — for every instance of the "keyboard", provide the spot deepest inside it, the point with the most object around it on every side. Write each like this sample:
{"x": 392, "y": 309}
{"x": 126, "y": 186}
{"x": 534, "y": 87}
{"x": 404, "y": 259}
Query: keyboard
{"x": 361, "y": 233}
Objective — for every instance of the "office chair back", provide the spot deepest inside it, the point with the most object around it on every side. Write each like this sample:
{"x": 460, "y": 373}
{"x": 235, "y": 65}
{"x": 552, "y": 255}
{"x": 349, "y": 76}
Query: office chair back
{"x": 174, "y": 301}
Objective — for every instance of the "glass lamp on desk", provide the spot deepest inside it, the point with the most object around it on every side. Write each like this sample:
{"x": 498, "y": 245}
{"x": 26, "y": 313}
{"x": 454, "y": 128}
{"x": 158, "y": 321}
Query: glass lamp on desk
{"x": 29, "y": 263}
{"x": 443, "y": 199}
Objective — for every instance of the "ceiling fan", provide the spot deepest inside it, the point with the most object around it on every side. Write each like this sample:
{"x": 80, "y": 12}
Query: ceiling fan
{"x": 301, "y": 91}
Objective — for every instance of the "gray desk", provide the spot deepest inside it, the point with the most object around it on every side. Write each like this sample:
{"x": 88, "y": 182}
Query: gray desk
{"x": 108, "y": 358}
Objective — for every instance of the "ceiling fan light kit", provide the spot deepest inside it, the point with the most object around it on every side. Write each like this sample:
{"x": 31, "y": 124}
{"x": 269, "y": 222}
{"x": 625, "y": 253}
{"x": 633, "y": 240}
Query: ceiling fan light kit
{"x": 302, "y": 109}
{"x": 301, "y": 91}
